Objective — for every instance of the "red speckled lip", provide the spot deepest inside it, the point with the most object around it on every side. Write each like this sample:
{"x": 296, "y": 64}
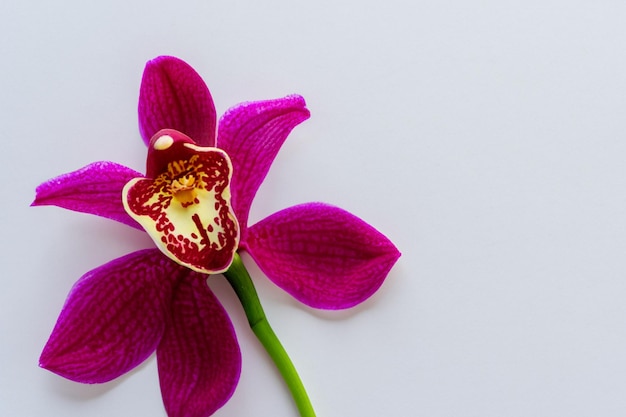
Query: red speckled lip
{"x": 185, "y": 206}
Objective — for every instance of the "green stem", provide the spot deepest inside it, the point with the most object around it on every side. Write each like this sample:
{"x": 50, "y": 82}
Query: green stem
{"x": 239, "y": 279}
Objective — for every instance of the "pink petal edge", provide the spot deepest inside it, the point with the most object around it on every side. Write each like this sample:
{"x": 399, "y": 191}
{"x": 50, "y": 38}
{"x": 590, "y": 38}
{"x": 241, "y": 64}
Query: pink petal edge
{"x": 252, "y": 134}
{"x": 113, "y": 319}
{"x": 94, "y": 189}
{"x": 322, "y": 255}
{"x": 174, "y": 96}
{"x": 198, "y": 358}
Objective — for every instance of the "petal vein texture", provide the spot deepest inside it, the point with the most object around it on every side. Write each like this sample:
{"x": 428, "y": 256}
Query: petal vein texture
{"x": 94, "y": 189}
{"x": 113, "y": 319}
{"x": 252, "y": 134}
{"x": 199, "y": 359}
{"x": 174, "y": 96}
{"x": 322, "y": 255}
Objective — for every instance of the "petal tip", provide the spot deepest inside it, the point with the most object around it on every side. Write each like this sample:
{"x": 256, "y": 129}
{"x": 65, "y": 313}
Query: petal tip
{"x": 162, "y": 59}
{"x": 60, "y": 366}
{"x": 298, "y": 103}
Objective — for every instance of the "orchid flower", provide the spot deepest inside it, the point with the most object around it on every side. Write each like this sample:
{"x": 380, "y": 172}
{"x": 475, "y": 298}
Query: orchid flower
{"x": 193, "y": 201}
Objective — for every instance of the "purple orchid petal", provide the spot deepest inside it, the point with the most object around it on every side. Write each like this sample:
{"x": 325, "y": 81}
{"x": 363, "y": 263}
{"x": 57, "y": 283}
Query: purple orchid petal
{"x": 94, "y": 189}
{"x": 113, "y": 319}
{"x": 322, "y": 255}
{"x": 252, "y": 133}
{"x": 198, "y": 358}
{"x": 174, "y": 96}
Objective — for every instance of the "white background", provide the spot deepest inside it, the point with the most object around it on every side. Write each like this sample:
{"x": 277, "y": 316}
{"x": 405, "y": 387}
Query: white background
{"x": 485, "y": 138}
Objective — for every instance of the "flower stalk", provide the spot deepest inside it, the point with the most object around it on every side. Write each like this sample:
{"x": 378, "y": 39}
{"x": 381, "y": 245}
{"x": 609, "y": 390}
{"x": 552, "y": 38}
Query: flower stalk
{"x": 240, "y": 281}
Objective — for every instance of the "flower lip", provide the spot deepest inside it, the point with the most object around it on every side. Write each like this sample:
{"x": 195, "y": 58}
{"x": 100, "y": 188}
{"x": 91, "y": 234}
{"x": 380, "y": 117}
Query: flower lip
{"x": 184, "y": 203}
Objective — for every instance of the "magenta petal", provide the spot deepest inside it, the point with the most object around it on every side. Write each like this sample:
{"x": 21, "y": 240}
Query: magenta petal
{"x": 173, "y": 96}
{"x": 198, "y": 358}
{"x": 113, "y": 319}
{"x": 94, "y": 189}
{"x": 252, "y": 133}
{"x": 322, "y": 255}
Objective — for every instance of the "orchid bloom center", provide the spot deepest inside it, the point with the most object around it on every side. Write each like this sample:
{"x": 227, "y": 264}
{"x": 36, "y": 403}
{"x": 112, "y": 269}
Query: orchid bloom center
{"x": 184, "y": 203}
{"x": 183, "y": 185}
{"x": 183, "y": 181}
